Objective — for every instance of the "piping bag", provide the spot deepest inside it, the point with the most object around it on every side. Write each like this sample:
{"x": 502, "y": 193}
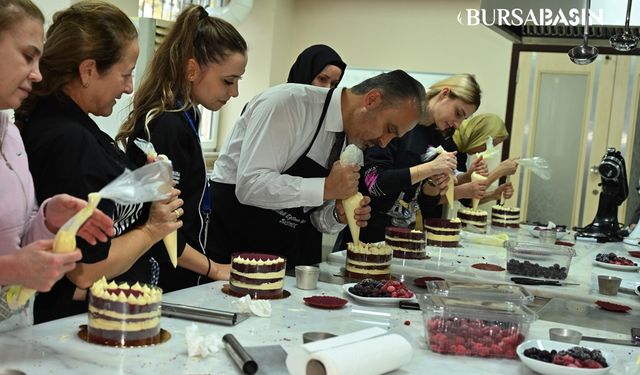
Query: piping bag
{"x": 476, "y": 177}
{"x": 352, "y": 155}
{"x": 151, "y": 182}
{"x": 170, "y": 240}
{"x": 431, "y": 153}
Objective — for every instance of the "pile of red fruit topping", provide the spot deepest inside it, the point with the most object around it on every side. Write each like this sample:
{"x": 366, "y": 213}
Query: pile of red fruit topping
{"x": 612, "y": 258}
{"x": 377, "y": 288}
{"x": 578, "y": 357}
{"x": 473, "y": 337}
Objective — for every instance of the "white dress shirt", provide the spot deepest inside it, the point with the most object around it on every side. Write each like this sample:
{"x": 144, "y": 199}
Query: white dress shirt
{"x": 272, "y": 134}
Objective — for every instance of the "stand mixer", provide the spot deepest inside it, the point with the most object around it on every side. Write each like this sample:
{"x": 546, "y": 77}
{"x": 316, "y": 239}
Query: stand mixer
{"x": 615, "y": 189}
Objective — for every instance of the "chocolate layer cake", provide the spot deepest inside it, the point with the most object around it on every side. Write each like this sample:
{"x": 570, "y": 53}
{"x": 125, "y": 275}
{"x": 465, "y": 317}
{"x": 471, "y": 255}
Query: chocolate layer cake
{"x": 405, "y": 242}
{"x": 477, "y": 219}
{"x": 123, "y": 315}
{"x": 368, "y": 261}
{"x": 259, "y": 275}
{"x": 506, "y": 217}
{"x": 443, "y": 232}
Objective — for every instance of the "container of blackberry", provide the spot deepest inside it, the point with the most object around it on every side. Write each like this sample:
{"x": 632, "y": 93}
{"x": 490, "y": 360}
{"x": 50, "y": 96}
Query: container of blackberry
{"x": 469, "y": 326}
{"x": 539, "y": 260}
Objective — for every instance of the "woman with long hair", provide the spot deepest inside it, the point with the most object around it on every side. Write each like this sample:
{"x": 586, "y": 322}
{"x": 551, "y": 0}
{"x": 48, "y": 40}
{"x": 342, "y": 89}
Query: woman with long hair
{"x": 200, "y": 61}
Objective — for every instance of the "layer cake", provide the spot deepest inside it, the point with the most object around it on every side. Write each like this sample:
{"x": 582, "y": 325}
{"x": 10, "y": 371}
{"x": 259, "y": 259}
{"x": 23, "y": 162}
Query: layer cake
{"x": 443, "y": 232}
{"x": 476, "y": 220}
{"x": 123, "y": 315}
{"x": 368, "y": 261}
{"x": 405, "y": 242}
{"x": 506, "y": 217}
{"x": 261, "y": 276}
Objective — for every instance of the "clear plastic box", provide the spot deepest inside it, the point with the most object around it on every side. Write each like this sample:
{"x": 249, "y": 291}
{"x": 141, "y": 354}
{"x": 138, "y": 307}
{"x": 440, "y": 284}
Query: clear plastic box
{"x": 539, "y": 261}
{"x": 471, "y": 327}
{"x": 485, "y": 292}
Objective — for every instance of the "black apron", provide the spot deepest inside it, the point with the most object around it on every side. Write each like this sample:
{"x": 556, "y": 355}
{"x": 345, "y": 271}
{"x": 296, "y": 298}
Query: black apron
{"x": 236, "y": 227}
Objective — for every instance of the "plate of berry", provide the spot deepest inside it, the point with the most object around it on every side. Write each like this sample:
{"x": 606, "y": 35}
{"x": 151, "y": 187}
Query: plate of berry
{"x": 379, "y": 292}
{"x": 614, "y": 262}
{"x": 558, "y": 358}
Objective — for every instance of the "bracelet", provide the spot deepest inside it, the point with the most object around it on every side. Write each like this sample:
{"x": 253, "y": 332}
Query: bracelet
{"x": 335, "y": 214}
{"x": 208, "y": 269}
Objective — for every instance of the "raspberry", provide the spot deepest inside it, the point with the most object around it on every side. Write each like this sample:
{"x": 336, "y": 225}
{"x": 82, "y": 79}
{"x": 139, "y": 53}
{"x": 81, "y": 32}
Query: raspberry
{"x": 590, "y": 363}
{"x": 459, "y": 350}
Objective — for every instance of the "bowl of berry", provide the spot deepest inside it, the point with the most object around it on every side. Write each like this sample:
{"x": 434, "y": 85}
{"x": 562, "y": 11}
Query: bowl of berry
{"x": 538, "y": 260}
{"x": 557, "y": 358}
{"x": 379, "y": 292}
{"x": 615, "y": 262}
{"x": 473, "y": 327}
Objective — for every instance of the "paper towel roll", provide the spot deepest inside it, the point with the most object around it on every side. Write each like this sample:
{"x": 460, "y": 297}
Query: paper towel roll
{"x": 348, "y": 358}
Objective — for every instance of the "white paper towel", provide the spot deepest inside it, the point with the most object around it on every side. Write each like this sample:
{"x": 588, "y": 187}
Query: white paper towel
{"x": 344, "y": 354}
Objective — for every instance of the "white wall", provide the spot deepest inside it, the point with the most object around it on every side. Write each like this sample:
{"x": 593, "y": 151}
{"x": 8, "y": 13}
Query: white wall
{"x": 415, "y": 35}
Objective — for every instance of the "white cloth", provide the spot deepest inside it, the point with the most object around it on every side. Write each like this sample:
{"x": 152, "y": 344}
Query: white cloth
{"x": 258, "y": 307}
{"x": 273, "y": 132}
{"x": 344, "y": 354}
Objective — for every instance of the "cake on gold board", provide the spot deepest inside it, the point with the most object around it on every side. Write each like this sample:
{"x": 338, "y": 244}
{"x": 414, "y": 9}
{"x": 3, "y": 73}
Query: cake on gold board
{"x": 261, "y": 276}
{"x": 122, "y": 315}
{"x": 368, "y": 261}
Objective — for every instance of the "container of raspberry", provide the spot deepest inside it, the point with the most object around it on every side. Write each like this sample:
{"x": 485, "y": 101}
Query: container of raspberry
{"x": 472, "y": 327}
{"x": 539, "y": 260}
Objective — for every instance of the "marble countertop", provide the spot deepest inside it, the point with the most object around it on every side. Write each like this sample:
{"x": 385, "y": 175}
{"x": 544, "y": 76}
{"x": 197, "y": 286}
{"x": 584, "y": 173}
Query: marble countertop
{"x": 54, "y": 347}
{"x": 455, "y": 264}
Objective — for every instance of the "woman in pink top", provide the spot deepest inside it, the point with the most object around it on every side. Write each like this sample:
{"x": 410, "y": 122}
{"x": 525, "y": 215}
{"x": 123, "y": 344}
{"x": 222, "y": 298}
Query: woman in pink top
{"x": 26, "y": 230}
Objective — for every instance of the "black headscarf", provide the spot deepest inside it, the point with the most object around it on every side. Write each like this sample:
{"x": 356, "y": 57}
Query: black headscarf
{"x": 311, "y": 62}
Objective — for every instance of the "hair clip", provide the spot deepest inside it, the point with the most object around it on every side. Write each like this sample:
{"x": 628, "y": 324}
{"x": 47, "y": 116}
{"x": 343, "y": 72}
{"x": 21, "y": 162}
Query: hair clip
{"x": 203, "y": 13}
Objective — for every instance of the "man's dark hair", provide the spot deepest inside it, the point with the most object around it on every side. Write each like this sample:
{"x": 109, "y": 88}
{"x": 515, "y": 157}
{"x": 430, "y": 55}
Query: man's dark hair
{"x": 395, "y": 86}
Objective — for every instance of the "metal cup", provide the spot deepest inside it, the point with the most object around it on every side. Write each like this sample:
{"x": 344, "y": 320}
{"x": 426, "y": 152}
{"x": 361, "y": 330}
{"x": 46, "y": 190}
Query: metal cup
{"x": 307, "y": 277}
{"x": 316, "y": 336}
{"x": 608, "y": 285}
{"x": 547, "y": 237}
{"x": 565, "y": 335}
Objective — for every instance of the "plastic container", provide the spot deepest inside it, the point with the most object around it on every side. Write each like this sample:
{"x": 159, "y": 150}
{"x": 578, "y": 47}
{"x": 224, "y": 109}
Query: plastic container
{"x": 485, "y": 292}
{"x": 463, "y": 326}
{"x": 537, "y": 260}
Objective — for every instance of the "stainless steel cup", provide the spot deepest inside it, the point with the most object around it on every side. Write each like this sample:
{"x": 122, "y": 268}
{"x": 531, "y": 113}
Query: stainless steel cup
{"x": 608, "y": 285}
{"x": 9, "y": 371}
{"x": 307, "y": 277}
{"x": 565, "y": 335}
{"x": 316, "y": 336}
{"x": 547, "y": 237}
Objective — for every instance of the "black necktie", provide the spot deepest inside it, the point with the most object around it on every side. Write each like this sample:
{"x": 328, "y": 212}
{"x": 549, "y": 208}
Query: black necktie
{"x": 336, "y": 149}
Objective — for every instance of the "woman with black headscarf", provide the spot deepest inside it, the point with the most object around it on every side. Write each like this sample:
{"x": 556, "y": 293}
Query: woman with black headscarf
{"x": 318, "y": 65}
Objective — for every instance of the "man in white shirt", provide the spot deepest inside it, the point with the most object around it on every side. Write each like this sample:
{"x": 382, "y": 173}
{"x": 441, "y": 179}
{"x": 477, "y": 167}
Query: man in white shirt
{"x": 274, "y": 188}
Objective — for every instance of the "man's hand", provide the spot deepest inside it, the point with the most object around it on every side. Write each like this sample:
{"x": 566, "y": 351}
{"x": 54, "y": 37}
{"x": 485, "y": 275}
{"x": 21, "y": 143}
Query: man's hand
{"x": 60, "y": 208}
{"x": 362, "y": 213}
{"x": 342, "y": 181}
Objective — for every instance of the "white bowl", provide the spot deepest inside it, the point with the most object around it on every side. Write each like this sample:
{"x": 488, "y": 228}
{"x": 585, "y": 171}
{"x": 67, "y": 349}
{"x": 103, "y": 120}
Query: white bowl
{"x": 551, "y": 369}
{"x": 534, "y": 232}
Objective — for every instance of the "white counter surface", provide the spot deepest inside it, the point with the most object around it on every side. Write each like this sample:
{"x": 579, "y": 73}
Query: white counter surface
{"x": 455, "y": 264}
{"x": 54, "y": 347}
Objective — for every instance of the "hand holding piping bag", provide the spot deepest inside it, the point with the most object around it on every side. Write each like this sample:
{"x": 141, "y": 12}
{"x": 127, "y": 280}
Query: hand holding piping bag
{"x": 450, "y": 188}
{"x": 476, "y": 177}
{"x": 151, "y": 182}
{"x": 170, "y": 240}
{"x": 64, "y": 242}
{"x": 352, "y": 155}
